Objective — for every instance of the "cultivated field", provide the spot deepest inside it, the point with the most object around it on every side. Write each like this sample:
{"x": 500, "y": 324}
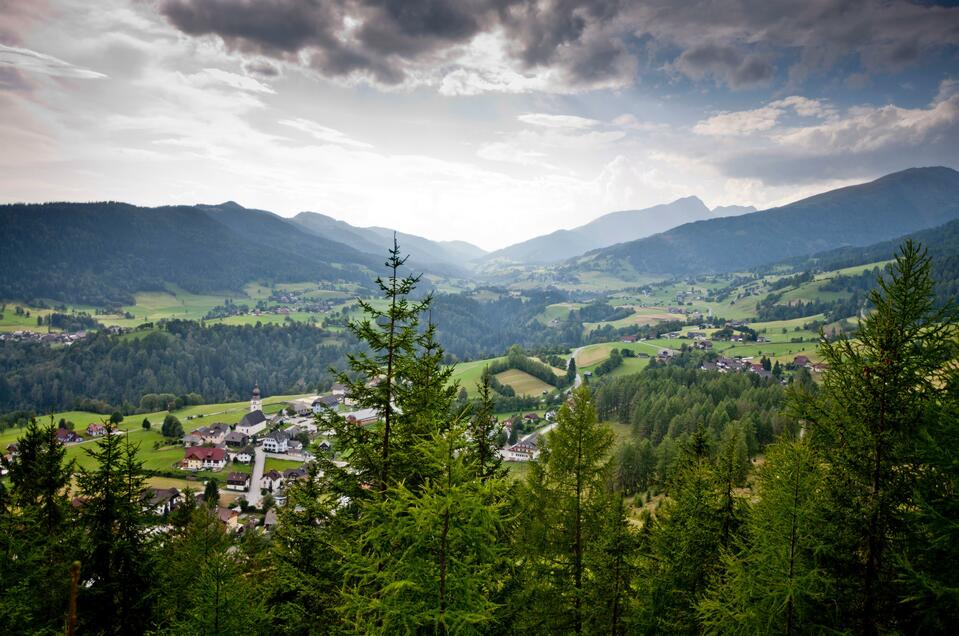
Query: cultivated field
{"x": 523, "y": 383}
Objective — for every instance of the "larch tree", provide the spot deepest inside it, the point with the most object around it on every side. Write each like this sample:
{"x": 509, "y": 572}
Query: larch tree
{"x": 567, "y": 495}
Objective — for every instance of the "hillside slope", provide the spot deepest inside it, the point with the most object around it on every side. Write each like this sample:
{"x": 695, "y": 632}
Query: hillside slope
{"x": 889, "y": 207}
{"x": 608, "y": 229}
{"x": 376, "y": 240}
{"x": 101, "y": 253}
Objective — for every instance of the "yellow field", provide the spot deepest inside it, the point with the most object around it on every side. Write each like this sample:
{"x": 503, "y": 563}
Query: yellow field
{"x": 522, "y": 382}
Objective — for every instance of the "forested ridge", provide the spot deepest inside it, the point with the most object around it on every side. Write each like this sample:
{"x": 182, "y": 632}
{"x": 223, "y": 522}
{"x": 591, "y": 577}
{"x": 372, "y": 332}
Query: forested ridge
{"x": 220, "y": 363}
{"x": 734, "y": 505}
{"x": 102, "y": 253}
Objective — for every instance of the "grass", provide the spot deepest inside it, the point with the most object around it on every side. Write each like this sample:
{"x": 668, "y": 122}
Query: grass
{"x": 523, "y": 383}
{"x": 594, "y": 354}
{"x": 642, "y": 316}
{"x": 279, "y": 464}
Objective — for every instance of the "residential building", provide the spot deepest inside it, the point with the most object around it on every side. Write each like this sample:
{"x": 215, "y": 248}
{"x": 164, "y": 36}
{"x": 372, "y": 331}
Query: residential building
{"x": 203, "y": 458}
{"x": 245, "y": 455}
{"x": 236, "y": 439}
{"x": 96, "y": 430}
{"x": 159, "y": 501}
{"x": 237, "y": 481}
{"x": 276, "y": 442}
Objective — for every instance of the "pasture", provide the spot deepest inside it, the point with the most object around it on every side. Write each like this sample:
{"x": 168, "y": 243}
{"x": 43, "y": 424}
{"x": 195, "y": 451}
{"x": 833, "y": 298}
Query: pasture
{"x": 523, "y": 383}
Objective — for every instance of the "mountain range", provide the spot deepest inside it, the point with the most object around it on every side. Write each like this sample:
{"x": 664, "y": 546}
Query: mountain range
{"x": 607, "y": 230}
{"x": 859, "y": 215}
{"x": 102, "y": 253}
{"x": 375, "y": 240}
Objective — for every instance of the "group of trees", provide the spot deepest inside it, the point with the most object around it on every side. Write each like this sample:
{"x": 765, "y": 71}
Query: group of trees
{"x": 178, "y": 357}
{"x": 848, "y": 525}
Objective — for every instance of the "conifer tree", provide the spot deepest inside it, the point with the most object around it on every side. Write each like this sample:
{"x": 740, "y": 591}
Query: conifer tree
{"x": 37, "y": 539}
{"x": 879, "y": 397}
{"x": 376, "y": 380}
{"x": 567, "y": 497}
{"x": 770, "y": 581}
{"x": 484, "y": 432}
{"x": 115, "y": 567}
{"x": 425, "y": 561}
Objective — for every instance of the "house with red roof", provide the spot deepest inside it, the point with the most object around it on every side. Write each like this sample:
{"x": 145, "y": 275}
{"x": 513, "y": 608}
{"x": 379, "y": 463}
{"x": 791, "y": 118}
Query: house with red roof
{"x": 203, "y": 458}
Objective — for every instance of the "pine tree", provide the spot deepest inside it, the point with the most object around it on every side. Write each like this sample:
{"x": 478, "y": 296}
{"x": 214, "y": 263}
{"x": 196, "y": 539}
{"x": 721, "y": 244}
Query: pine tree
{"x": 484, "y": 432}
{"x": 115, "y": 568}
{"x": 770, "y": 581}
{"x": 567, "y": 496}
{"x": 376, "y": 381}
{"x": 425, "y": 561}
{"x": 877, "y": 400}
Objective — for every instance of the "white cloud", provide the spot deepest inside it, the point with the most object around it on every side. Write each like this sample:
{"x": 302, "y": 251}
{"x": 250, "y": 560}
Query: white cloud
{"x": 558, "y": 121}
{"x": 32, "y": 61}
{"x": 510, "y": 153}
{"x": 323, "y": 133}
{"x": 748, "y": 122}
{"x": 218, "y": 78}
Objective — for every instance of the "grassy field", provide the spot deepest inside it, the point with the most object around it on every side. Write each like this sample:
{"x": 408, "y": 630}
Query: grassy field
{"x": 279, "y": 464}
{"x": 642, "y": 316}
{"x": 558, "y": 311}
{"x": 469, "y": 373}
{"x": 523, "y": 383}
{"x": 592, "y": 355}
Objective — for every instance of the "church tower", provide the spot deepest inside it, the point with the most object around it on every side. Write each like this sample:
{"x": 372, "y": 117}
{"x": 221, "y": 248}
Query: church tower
{"x": 255, "y": 404}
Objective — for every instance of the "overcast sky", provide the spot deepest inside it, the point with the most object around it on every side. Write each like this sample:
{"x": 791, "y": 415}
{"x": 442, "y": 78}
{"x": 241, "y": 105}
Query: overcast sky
{"x": 485, "y": 120}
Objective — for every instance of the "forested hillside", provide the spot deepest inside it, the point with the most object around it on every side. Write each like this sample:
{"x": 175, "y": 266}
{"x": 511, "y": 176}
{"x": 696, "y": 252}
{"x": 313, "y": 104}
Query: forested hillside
{"x": 942, "y": 243}
{"x": 101, "y": 253}
{"x": 220, "y": 363}
{"x": 860, "y": 215}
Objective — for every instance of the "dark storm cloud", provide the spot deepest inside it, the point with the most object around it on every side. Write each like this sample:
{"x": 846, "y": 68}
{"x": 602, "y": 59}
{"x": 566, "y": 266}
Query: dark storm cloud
{"x": 727, "y": 64}
{"x": 735, "y": 42}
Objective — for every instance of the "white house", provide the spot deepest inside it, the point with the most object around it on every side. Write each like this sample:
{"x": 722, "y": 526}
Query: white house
{"x": 276, "y": 442}
{"x": 237, "y": 481}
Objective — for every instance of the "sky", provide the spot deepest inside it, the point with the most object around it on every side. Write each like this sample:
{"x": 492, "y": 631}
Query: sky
{"x": 490, "y": 121}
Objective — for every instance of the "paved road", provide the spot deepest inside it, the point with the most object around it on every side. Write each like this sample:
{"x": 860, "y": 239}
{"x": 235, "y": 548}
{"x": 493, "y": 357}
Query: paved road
{"x": 572, "y": 356}
{"x": 259, "y": 460}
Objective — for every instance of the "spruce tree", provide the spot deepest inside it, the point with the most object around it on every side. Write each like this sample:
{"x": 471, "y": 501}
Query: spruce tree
{"x": 484, "y": 432}
{"x": 376, "y": 380}
{"x": 115, "y": 567}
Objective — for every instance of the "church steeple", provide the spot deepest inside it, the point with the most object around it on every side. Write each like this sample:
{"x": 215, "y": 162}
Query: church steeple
{"x": 255, "y": 403}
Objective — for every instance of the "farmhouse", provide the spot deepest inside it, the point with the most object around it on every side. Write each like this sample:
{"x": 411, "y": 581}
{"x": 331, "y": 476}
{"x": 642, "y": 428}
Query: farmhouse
{"x": 229, "y": 518}
{"x": 339, "y": 390}
{"x": 237, "y": 481}
{"x": 202, "y": 458}
{"x": 212, "y": 435}
{"x": 96, "y": 430}
{"x": 325, "y": 401}
{"x": 66, "y": 436}
{"x": 801, "y": 361}
{"x": 302, "y": 407}
{"x": 522, "y": 451}
{"x": 362, "y": 416}
{"x": 252, "y": 423}
{"x": 191, "y": 440}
